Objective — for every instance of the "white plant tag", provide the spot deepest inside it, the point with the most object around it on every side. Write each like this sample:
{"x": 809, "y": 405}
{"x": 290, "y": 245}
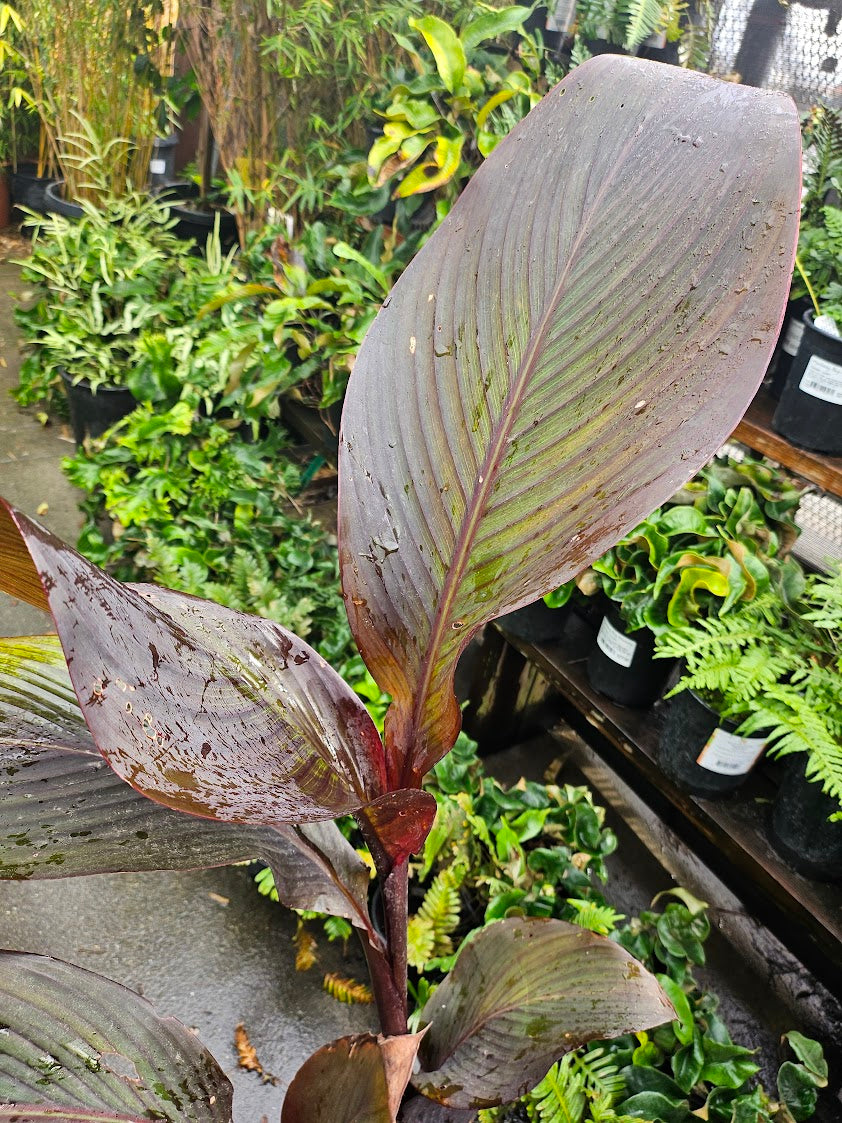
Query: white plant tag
{"x": 823, "y": 380}
{"x": 792, "y": 336}
{"x": 619, "y": 648}
{"x": 157, "y": 167}
{"x": 729, "y": 755}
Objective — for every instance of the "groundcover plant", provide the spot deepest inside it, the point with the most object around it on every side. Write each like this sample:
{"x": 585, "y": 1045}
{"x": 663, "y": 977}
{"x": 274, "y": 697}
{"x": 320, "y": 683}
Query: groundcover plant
{"x": 574, "y": 342}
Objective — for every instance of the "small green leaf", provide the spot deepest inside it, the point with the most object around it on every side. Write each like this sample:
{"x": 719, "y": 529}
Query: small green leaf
{"x": 798, "y": 1090}
{"x": 811, "y": 1055}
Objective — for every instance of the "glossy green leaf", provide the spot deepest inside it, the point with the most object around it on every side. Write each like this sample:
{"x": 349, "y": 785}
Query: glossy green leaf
{"x": 523, "y": 992}
{"x": 446, "y": 47}
{"x": 202, "y": 708}
{"x": 797, "y": 1090}
{"x": 491, "y": 25}
{"x": 434, "y": 173}
{"x": 76, "y": 1039}
{"x": 576, "y": 339}
{"x": 358, "y": 1079}
{"x": 811, "y": 1055}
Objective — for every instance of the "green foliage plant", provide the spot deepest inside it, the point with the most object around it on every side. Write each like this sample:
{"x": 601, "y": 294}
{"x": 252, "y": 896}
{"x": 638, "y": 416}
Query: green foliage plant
{"x": 720, "y": 541}
{"x": 97, "y": 68}
{"x": 775, "y": 665}
{"x": 439, "y": 124}
{"x": 632, "y": 24}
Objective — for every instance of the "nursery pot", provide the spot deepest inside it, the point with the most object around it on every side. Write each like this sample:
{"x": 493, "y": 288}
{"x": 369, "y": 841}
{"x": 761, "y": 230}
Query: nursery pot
{"x": 92, "y": 412}
{"x": 162, "y": 160}
{"x": 621, "y": 664}
{"x": 810, "y": 410}
{"x": 5, "y": 200}
{"x": 536, "y": 623}
{"x": 29, "y": 188}
{"x": 193, "y": 222}
{"x": 57, "y": 204}
{"x": 789, "y": 340}
{"x": 699, "y": 750}
{"x": 800, "y": 828}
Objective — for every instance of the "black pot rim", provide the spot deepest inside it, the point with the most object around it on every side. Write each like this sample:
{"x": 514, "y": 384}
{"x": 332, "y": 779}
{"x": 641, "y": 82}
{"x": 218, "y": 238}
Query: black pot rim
{"x": 808, "y": 317}
{"x": 85, "y": 384}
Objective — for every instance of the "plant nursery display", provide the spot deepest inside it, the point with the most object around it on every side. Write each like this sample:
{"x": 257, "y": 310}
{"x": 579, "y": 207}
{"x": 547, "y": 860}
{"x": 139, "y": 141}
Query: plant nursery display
{"x": 773, "y": 667}
{"x": 719, "y": 541}
{"x": 496, "y": 438}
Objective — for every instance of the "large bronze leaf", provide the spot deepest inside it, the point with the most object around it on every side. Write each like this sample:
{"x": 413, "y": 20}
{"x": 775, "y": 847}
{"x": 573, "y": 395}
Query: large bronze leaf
{"x": 358, "y": 1079}
{"x": 197, "y": 706}
{"x": 523, "y": 992}
{"x": 579, "y": 336}
{"x": 64, "y": 812}
{"x": 75, "y": 1039}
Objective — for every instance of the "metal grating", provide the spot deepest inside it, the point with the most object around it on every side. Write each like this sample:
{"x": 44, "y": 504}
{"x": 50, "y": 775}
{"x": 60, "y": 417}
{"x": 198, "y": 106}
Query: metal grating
{"x": 792, "y": 47}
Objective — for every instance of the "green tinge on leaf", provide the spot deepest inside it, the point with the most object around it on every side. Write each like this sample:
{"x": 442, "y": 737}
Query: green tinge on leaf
{"x": 83, "y": 1041}
{"x": 522, "y": 992}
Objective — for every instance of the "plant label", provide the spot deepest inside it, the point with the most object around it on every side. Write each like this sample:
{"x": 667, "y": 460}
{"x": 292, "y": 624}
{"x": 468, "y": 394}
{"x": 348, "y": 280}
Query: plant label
{"x": 822, "y": 379}
{"x": 157, "y": 167}
{"x": 729, "y": 755}
{"x": 619, "y": 648}
{"x": 792, "y": 335}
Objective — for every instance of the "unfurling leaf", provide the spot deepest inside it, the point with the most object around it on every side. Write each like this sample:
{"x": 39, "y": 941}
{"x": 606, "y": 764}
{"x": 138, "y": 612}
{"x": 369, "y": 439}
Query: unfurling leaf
{"x": 197, "y": 706}
{"x": 358, "y": 1079}
{"x": 81, "y": 1041}
{"x": 579, "y": 336}
{"x": 522, "y": 992}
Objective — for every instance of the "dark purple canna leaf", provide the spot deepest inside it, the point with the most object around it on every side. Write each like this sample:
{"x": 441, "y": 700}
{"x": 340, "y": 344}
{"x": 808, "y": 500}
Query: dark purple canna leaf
{"x": 580, "y": 335}
{"x": 197, "y": 706}
{"x": 75, "y": 1039}
{"x": 52, "y": 1113}
{"x": 358, "y": 1079}
{"x": 64, "y": 812}
{"x": 523, "y": 992}
{"x": 398, "y": 822}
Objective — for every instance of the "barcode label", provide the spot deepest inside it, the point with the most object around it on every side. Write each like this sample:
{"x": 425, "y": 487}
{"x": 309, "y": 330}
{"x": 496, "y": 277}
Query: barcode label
{"x": 729, "y": 755}
{"x": 792, "y": 336}
{"x": 619, "y": 648}
{"x": 823, "y": 380}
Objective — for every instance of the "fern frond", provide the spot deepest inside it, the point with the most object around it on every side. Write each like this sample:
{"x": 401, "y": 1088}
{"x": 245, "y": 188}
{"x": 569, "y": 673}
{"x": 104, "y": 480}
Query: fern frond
{"x": 560, "y": 1097}
{"x": 643, "y": 18}
{"x": 346, "y": 990}
{"x": 601, "y": 919}
{"x": 429, "y": 930}
{"x": 265, "y": 883}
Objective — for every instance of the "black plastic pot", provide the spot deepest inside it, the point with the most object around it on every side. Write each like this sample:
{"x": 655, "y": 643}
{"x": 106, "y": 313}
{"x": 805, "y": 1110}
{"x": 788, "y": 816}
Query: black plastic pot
{"x": 620, "y": 664}
{"x": 800, "y": 828}
{"x": 194, "y": 222}
{"x": 56, "y": 202}
{"x": 810, "y": 410}
{"x": 162, "y": 160}
{"x": 28, "y": 188}
{"x": 786, "y": 349}
{"x": 91, "y": 413}
{"x": 536, "y": 623}
{"x": 698, "y": 750}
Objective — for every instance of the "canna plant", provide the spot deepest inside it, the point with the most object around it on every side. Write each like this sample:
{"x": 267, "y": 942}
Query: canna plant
{"x": 509, "y": 416}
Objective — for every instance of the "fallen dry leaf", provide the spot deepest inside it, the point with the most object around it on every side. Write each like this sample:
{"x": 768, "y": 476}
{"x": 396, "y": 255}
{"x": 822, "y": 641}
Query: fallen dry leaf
{"x": 247, "y": 1055}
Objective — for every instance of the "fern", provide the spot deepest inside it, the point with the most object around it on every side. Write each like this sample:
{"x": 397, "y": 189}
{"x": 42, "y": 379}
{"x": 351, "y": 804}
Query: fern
{"x": 430, "y": 929}
{"x": 346, "y": 990}
{"x": 824, "y": 158}
{"x": 601, "y": 919}
{"x": 588, "y": 1079}
{"x": 642, "y": 18}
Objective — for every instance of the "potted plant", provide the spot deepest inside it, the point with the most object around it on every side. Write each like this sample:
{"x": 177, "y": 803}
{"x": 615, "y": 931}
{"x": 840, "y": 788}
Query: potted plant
{"x": 455, "y": 506}
{"x": 103, "y": 282}
{"x": 716, "y": 543}
{"x": 772, "y": 667}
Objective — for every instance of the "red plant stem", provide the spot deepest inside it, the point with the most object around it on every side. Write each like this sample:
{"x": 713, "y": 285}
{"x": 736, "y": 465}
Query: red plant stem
{"x": 396, "y": 908}
{"x": 391, "y": 1003}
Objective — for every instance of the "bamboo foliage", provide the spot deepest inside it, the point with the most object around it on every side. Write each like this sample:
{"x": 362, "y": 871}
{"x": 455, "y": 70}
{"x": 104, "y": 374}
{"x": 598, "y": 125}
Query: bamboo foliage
{"x": 98, "y": 63}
